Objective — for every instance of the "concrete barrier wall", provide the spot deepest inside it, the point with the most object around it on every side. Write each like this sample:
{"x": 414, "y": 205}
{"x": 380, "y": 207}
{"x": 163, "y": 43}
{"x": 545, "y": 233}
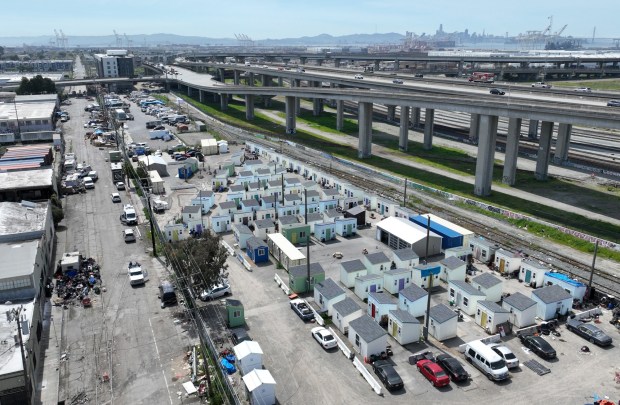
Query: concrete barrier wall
{"x": 342, "y": 345}
{"x": 367, "y": 376}
{"x": 589, "y": 313}
{"x": 282, "y": 284}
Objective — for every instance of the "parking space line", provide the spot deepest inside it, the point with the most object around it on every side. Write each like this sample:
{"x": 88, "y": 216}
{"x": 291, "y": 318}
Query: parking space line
{"x": 159, "y": 359}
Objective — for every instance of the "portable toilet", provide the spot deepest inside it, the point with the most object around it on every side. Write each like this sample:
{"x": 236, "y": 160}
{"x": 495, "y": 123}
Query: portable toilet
{"x": 234, "y": 311}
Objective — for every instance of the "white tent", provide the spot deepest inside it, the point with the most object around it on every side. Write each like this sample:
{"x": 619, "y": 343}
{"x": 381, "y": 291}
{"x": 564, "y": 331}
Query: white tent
{"x": 261, "y": 386}
{"x": 249, "y": 356}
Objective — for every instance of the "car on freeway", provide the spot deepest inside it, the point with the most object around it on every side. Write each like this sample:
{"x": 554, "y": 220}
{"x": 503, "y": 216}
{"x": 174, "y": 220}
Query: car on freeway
{"x": 613, "y": 103}
{"x": 116, "y": 197}
{"x": 302, "y": 309}
{"x": 397, "y": 81}
{"x": 388, "y": 375}
{"x": 584, "y": 90}
{"x": 433, "y": 372}
{"x": 588, "y": 331}
{"x": 505, "y": 353}
{"x": 359, "y": 77}
{"x": 539, "y": 346}
{"x": 325, "y": 338}
{"x": 419, "y": 75}
{"x": 239, "y": 335}
{"x": 497, "y": 91}
{"x": 452, "y": 367}
{"x": 219, "y": 290}
{"x": 541, "y": 85}
{"x": 120, "y": 185}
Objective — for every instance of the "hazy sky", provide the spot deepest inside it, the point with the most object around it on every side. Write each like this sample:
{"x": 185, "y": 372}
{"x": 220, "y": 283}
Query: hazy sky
{"x": 261, "y": 19}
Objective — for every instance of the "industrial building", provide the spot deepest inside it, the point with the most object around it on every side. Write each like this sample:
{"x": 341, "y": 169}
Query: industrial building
{"x": 399, "y": 233}
{"x": 28, "y": 118}
{"x": 453, "y": 235}
{"x": 115, "y": 63}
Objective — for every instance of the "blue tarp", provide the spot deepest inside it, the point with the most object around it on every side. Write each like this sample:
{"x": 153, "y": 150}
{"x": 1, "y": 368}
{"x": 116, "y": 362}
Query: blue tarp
{"x": 226, "y": 365}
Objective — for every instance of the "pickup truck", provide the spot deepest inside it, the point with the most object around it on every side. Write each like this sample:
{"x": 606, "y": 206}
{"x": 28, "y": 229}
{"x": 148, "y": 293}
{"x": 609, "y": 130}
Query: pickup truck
{"x": 302, "y": 309}
{"x": 541, "y": 85}
{"x": 136, "y": 275}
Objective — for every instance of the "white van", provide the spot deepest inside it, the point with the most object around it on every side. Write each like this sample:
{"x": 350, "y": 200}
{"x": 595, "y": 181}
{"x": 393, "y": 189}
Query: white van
{"x": 88, "y": 182}
{"x": 93, "y": 175}
{"x": 486, "y": 360}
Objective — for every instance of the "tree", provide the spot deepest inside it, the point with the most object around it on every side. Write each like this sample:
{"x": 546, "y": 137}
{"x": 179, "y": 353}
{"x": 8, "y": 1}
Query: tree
{"x": 202, "y": 261}
{"x": 36, "y": 85}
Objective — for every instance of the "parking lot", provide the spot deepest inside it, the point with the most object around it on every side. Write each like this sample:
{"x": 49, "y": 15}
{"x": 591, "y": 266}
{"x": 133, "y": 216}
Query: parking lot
{"x": 306, "y": 374}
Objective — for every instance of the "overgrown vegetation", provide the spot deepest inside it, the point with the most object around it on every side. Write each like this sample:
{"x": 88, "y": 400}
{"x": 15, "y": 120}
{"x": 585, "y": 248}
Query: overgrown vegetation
{"x": 58, "y": 214}
{"x": 36, "y": 85}
{"x": 201, "y": 260}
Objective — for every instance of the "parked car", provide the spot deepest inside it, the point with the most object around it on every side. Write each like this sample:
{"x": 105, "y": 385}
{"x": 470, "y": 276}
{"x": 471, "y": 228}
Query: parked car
{"x": 239, "y": 335}
{"x": 505, "y": 353}
{"x": 219, "y": 290}
{"x": 497, "y": 91}
{"x": 388, "y": 375}
{"x": 359, "y": 77}
{"x": 167, "y": 295}
{"x": 397, "y": 81}
{"x": 433, "y": 373}
{"x": 613, "y": 103}
{"x": 120, "y": 185}
{"x": 589, "y": 331}
{"x": 324, "y": 337}
{"x": 539, "y": 346}
{"x": 420, "y": 75}
{"x": 452, "y": 367}
{"x": 116, "y": 197}
{"x": 129, "y": 235}
{"x": 302, "y": 309}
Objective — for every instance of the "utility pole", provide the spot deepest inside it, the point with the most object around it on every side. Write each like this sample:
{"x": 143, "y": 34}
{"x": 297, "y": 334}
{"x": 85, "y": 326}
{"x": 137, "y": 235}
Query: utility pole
{"x": 151, "y": 220}
{"x": 308, "y": 240}
{"x": 15, "y": 314}
{"x": 405, "y": 196}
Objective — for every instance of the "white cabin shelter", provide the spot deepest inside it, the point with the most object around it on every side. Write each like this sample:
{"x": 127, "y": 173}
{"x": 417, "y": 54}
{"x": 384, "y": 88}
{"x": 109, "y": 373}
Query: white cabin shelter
{"x": 192, "y": 217}
{"x": 422, "y": 274}
{"x": 176, "y": 232}
{"x": 220, "y": 223}
{"x": 404, "y": 212}
{"x": 483, "y": 249}
{"x": 575, "y": 288}
{"x": 261, "y": 387}
{"x": 399, "y": 233}
{"x": 490, "y": 316}
{"x": 227, "y": 207}
{"x": 489, "y": 285}
{"x": 284, "y": 251}
{"x": 522, "y": 309}
{"x": 264, "y": 227}
{"x": 443, "y": 322}
{"x": 386, "y": 207}
{"x": 464, "y": 296}
{"x": 242, "y": 234}
{"x": 344, "y": 312}
{"x": 552, "y": 301}
{"x": 506, "y": 261}
{"x": 205, "y": 199}
{"x": 346, "y": 227}
{"x": 265, "y": 213}
{"x": 404, "y": 327}
{"x": 413, "y": 299}
{"x": 379, "y": 304}
{"x": 376, "y": 263}
{"x": 323, "y": 231}
{"x": 404, "y": 259}
{"x": 396, "y": 279}
{"x": 326, "y": 294}
{"x": 366, "y": 336}
{"x": 350, "y": 270}
{"x": 532, "y": 273}
{"x": 452, "y": 268}
{"x": 249, "y": 356}
{"x": 462, "y": 252}
{"x": 368, "y": 283}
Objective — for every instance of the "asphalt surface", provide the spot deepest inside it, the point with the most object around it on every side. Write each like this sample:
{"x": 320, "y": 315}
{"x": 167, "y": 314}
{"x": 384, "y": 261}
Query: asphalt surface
{"x": 125, "y": 334}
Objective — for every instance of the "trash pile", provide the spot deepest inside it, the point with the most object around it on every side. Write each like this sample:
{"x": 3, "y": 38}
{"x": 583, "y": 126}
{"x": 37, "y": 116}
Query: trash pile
{"x": 75, "y": 286}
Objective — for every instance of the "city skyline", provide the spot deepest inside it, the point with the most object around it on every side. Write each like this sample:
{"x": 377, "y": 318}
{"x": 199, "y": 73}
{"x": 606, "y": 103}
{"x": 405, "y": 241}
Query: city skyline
{"x": 275, "y": 19}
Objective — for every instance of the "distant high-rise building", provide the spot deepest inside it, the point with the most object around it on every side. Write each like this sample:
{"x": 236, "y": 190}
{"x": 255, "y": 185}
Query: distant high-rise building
{"x": 115, "y": 63}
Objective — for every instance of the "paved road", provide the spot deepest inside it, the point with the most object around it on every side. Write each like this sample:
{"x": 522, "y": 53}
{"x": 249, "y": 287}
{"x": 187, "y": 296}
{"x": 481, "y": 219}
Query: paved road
{"x": 125, "y": 334}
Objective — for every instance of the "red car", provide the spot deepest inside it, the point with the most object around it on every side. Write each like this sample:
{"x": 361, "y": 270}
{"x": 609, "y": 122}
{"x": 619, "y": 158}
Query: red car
{"x": 433, "y": 373}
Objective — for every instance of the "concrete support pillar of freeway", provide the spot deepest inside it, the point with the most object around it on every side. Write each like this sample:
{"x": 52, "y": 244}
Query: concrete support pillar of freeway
{"x": 391, "y": 113}
{"x": 562, "y": 144}
{"x": 249, "y": 107}
{"x": 544, "y": 151}
{"x": 487, "y": 137}
{"x": 224, "y": 102}
{"x": 290, "y": 114}
{"x": 403, "y": 138}
{"x": 512, "y": 151}
{"x": 339, "y": 115}
{"x": 365, "y": 129}
{"x": 429, "y": 126}
{"x": 474, "y": 123}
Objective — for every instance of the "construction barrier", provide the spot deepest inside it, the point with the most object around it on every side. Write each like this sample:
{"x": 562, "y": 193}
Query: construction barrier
{"x": 342, "y": 346}
{"x": 366, "y": 374}
{"x": 589, "y": 313}
{"x": 282, "y": 284}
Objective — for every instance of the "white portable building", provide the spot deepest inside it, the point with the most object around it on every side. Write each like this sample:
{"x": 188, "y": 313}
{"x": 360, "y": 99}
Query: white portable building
{"x": 403, "y": 327}
{"x": 344, "y": 312}
{"x": 413, "y": 299}
{"x": 452, "y": 268}
{"x": 368, "y": 283}
{"x": 532, "y": 273}
{"x": 443, "y": 322}
{"x": 261, "y": 387}
{"x": 552, "y": 301}
{"x": 489, "y": 316}
{"x": 379, "y": 304}
{"x": 366, "y": 336}
{"x": 489, "y": 285}
{"x": 327, "y": 293}
{"x": 522, "y": 310}
{"x": 506, "y": 261}
{"x": 350, "y": 270}
{"x": 464, "y": 296}
{"x": 249, "y": 356}
{"x": 396, "y": 279}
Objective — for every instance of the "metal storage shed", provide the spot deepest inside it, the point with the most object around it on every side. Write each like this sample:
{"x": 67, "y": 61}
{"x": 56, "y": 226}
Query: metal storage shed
{"x": 366, "y": 336}
{"x": 450, "y": 238}
{"x": 399, "y": 233}
{"x": 350, "y": 270}
{"x": 403, "y": 327}
{"x": 443, "y": 322}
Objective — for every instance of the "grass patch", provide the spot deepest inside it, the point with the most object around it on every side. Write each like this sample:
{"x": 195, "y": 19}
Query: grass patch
{"x": 602, "y": 85}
